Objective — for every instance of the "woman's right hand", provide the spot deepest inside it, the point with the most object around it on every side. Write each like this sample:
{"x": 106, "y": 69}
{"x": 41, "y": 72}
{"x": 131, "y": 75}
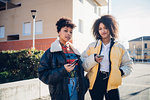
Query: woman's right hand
{"x": 69, "y": 67}
{"x": 98, "y": 59}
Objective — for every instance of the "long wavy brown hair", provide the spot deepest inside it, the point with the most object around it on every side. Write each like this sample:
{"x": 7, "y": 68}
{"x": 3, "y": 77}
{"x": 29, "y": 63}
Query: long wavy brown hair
{"x": 109, "y": 22}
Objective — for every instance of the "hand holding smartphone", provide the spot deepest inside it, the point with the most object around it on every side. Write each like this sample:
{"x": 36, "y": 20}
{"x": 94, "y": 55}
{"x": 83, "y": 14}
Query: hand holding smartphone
{"x": 76, "y": 61}
{"x": 100, "y": 56}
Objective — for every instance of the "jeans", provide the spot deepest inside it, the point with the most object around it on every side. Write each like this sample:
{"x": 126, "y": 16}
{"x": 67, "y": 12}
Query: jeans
{"x": 72, "y": 89}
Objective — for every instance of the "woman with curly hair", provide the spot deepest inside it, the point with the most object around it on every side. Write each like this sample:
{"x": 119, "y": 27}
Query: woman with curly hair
{"x": 106, "y": 60}
{"x": 60, "y": 66}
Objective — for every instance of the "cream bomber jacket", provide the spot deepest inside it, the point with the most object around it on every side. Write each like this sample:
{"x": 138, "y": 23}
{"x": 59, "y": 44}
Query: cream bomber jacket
{"x": 119, "y": 59}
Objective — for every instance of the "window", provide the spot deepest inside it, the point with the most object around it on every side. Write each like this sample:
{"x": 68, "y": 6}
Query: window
{"x": 145, "y": 45}
{"x": 2, "y": 31}
{"x": 95, "y": 9}
{"x": 27, "y": 28}
{"x": 145, "y": 53}
{"x": 99, "y": 11}
{"x": 81, "y": 1}
{"x": 13, "y": 37}
{"x": 38, "y": 27}
{"x": 80, "y": 26}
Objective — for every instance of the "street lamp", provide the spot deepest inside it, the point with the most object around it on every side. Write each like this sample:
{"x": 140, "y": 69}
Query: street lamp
{"x": 134, "y": 53}
{"x": 33, "y": 12}
{"x": 142, "y": 50}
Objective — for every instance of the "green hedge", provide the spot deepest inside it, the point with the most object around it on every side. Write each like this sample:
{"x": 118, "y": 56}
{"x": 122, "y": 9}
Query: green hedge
{"x": 18, "y": 65}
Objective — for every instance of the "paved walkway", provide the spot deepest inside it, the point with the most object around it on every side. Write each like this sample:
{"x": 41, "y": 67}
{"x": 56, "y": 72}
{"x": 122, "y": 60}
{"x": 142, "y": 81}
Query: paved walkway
{"x": 137, "y": 85}
{"x": 134, "y": 87}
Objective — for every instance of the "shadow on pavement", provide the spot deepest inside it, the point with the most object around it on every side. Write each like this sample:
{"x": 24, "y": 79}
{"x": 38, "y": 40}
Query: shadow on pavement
{"x": 143, "y": 75}
{"x": 127, "y": 97}
{"x": 136, "y": 93}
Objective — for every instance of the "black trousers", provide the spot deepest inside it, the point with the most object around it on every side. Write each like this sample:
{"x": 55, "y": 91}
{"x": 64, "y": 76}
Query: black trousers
{"x": 100, "y": 89}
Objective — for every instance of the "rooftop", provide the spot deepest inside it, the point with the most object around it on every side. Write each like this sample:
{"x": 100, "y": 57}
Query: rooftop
{"x": 145, "y": 38}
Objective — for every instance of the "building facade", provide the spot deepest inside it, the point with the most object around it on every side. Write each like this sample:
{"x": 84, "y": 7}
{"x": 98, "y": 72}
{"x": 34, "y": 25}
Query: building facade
{"x": 16, "y": 22}
{"x": 139, "y": 48}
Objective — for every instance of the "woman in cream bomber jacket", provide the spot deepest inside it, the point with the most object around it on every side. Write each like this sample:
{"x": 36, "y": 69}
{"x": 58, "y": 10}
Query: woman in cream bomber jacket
{"x": 105, "y": 74}
{"x": 119, "y": 59}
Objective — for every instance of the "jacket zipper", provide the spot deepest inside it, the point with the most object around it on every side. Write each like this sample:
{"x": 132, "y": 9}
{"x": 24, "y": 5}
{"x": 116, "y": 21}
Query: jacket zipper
{"x": 112, "y": 43}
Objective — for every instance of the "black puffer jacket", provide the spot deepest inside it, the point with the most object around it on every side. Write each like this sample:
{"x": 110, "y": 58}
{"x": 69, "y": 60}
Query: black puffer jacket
{"x": 52, "y": 72}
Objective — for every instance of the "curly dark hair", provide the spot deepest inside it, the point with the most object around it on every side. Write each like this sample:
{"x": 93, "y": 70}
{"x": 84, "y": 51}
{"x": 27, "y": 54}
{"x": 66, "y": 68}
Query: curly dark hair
{"x": 64, "y": 21}
{"x": 109, "y": 22}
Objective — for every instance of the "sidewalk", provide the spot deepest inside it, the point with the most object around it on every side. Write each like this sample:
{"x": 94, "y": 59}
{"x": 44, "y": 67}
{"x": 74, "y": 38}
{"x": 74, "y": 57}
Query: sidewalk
{"x": 134, "y": 87}
{"x": 137, "y": 85}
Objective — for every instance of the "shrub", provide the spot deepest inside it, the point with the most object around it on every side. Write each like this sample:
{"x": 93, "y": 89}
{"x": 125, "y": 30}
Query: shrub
{"x": 19, "y": 64}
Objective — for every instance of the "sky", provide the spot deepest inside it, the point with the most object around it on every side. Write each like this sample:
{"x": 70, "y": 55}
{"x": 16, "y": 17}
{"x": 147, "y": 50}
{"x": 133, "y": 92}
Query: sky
{"x": 133, "y": 17}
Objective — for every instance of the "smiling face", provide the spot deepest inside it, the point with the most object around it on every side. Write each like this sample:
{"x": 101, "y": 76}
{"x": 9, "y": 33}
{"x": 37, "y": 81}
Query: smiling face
{"x": 65, "y": 34}
{"x": 103, "y": 31}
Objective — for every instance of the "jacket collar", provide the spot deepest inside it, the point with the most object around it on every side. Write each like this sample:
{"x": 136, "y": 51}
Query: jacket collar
{"x": 112, "y": 42}
{"x": 56, "y": 47}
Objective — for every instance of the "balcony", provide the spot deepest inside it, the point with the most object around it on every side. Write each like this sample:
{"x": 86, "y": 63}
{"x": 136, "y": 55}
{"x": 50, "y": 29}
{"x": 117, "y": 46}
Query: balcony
{"x": 101, "y": 2}
{"x": 7, "y": 4}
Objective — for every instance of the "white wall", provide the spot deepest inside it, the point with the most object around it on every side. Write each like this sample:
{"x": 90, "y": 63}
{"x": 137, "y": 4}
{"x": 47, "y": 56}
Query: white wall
{"x": 31, "y": 89}
{"x": 85, "y": 12}
{"x": 23, "y": 90}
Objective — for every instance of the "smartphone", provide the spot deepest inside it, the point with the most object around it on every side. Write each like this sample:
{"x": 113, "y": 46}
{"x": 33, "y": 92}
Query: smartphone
{"x": 99, "y": 56}
{"x": 73, "y": 63}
